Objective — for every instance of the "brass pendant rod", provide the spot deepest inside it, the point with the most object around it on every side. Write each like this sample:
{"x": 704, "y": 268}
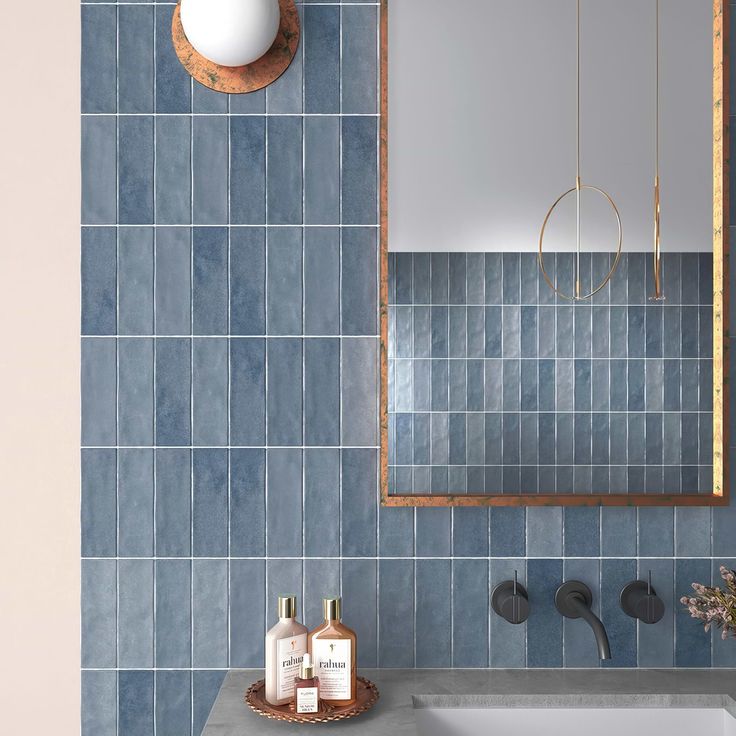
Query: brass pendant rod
{"x": 577, "y": 158}
{"x": 656, "y": 253}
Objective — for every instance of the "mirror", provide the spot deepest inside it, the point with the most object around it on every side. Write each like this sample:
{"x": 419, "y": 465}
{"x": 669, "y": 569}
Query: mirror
{"x": 534, "y": 138}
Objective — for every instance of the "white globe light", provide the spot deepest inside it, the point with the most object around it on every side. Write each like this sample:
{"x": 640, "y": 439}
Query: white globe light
{"x": 231, "y": 32}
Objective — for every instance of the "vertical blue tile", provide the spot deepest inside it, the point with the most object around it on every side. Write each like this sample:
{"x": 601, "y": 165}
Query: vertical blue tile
{"x": 284, "y": 157}
{"x": 359, "y": 175}
{"x": 209, "y": 613}
{"x": 582, "y": 398}
{"x": 135, "y": 613}
{"x": 636, "y": 385}
{"x": 621, "y": 628}
{"x": 433, "y": 532}
{"x": 209, "y": 391}
{"x": 433, "y": 613}
{"x": 210, "y": 503}
{"x": 692, "y": 531}
{"x": 135, "y": 503}
{"x": 359, "y": 497}
{"x": 284, "y": 390}
{"x": 284, "y": 281}
{"x": 248, "y": 391}
{"x": 321, "y": 491}
{"x": 208, "y": 100}
{"x": 283, "y": 577}
{"x": 656, "y": 642}
{"x": 247, "y": 612}
{"x": 99, "y": 703}
{"x": 135, "y": 702}
{"x": 173, "y": 170}
{"x": 322, "y": 281}
{"x": 173, "y": 377}
{"x": 439, "y": 266}
{"x": 173, "y": 84}
{"x": 135, "y": 177}
{"x": 210, "y": 170}
{"x": 579, "y": 645}
{"x": 321, "y": 170}
{"x": 359, "y": 296}
{"x": 508, "y": 532}
{"x": 284, "y": 507}
{"x": 285, "y": 94}
{"x": 209, "y": 281}
{"x": 99, "y": 170}
{"x": 98, "y": 391}
{"x": 135, "y": 390}
{"x": 359, "y": 590}
{"x": 247, "y": 281}
{"x": 173, "y": 703}
{"x": 247, "y": 502}
{"x": 248, "y": 170}
{"x": 359, "y": 385}
{"x": 173, "y": 613}
{"x": 470, "y": 607}
{"x": 692, "y": 644}
{"x": 397, "y": 532}
{"x": 656, "y": 532}
{"x": 99, "y": 281}
{"x": 321, "y": 580}
{"x": 99, "y": 504}
{"x": 724, "y": 523}
{"x": 359, "y": 59}
{"x": 470, "y": 532}
{"x": 99, "y": 51}
{"x": 99, "y": 616}
{"x": 543, "y": 531}
{"x": 618, "y": 531}
{"x": 205, "y": 686}
{"x": 582, "y": 531}
{"x": 173, "y": 503}
{"x": 508, "y": 646}
{"x": 544, "y": 626}
{"x": 322, "y": 59}
{"x": 135, "y": 281}
{"x": 689, "y": 278}
{"x": 173, "y": 294}
{"x": 135, "y": 54}
{"x": 396, "y": 613}
{"x": 511, "y": 278}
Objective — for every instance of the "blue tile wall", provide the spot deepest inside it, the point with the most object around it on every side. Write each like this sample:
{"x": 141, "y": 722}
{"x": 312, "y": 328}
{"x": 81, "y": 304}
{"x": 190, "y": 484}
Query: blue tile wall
{"x": 229, "y": 410}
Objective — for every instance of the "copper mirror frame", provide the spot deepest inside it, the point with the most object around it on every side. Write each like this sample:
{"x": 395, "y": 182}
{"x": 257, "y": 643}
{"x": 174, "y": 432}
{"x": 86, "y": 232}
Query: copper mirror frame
{"x": 720, "y": 495}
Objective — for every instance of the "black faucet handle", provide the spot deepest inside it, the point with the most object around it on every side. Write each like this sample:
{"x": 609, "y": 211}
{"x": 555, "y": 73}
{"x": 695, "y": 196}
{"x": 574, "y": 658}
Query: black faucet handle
{"x": 639, "y": 600}
{"x": 510, "y": 601}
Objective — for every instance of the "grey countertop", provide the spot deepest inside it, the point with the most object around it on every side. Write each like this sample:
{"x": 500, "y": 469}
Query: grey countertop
{"x": 403, "y": 690}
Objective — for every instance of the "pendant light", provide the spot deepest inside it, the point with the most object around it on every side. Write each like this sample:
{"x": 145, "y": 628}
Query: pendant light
{"x": 578, "y": 293}
{"x": 658, "y": 293}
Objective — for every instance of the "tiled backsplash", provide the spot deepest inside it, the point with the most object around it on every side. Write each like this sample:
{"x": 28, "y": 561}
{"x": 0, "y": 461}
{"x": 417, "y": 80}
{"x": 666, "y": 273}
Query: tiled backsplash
{"x": 230, "y": 404}
{"x": 497, "y": 385}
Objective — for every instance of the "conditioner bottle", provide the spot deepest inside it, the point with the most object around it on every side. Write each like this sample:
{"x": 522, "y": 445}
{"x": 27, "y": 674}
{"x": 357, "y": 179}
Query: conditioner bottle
{"x": 286, "y": 645}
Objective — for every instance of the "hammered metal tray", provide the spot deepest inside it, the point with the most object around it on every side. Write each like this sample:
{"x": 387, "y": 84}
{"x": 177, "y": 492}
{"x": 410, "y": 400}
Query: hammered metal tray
{"x": 366, "y": 697}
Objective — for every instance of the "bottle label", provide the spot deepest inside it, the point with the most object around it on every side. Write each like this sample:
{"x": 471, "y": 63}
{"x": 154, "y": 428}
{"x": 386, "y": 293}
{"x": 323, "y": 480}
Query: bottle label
{"x": 307, "y": 699}
{"x": 290, "y": 653}
{"x": 333, "y": 667}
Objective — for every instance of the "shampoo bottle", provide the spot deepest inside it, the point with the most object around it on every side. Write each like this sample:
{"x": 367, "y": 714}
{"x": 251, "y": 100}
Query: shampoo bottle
{"x": 286, "y": 645}
{"x": 332, "y": 647}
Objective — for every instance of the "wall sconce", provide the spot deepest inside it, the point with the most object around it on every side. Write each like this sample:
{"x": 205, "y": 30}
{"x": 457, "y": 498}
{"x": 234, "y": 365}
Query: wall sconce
{"x": 235, "y": 46}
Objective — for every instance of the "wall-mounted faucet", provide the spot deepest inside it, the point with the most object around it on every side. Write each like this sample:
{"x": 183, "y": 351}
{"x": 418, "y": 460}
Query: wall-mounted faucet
{"x": 573, "y": 600}
{"x": 510, "y": 601}
{"x": 639, "y": 600}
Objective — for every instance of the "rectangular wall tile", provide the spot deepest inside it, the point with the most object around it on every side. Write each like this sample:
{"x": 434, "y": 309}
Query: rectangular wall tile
{"x": 284, "y": 282}
{"x": 135, "y": 53}
{"x": 359, "y": 497}
{"x": 99, "y": 170}
{"x": 508, "y": 648}
{"x": 210, "y": 170}
{"x": 135, "y": 614}
{"x": 321, "y": 169}
{"x": 135, "y": 169}
{"x": 99, "y": 392}
{"x": 135, "y": 391}
{"x": 247, "y": 281}
{"x": 284, "y": 157}
{"x": 173, "y": 613}
{"x": 209, "y": 281}
{"x": 210, "y": 391}
{"x": 322, "y": 59}
{"x": 135, "y": 702}
{"x": 173, "y": 703}
{"x": 173, "y": 281}
{"x": 173, "y": 84}
{"x": 248, "y": 391}
{"x": 284, "y": 390}
{"x": 99, "y": 52}
{"x": 209, "y": 613}
{"x": 135, "y": 502}
{"x": 284, "y": 494}
{"x": 135, "y": 281}
{"x": 433, "y": 613}
{"x": 210, "y": 502}
{"x": 99, "y": 503}
{"x": 173, "y": 378}
{"x": 248, "y": 170}
{"x": 247, "y": 502}
{"x": 99, "y": 615}
{"x": 173, "y": 503}
{"x": 99, "y": 281}
{"x": 360, "y": 592}
{"x": 173, "y": 170}
{"x": 247, "y": 617}
{"x": 544, "y": 626}
{"x": 396, "y": 613}
{"x": 99, "y": 703}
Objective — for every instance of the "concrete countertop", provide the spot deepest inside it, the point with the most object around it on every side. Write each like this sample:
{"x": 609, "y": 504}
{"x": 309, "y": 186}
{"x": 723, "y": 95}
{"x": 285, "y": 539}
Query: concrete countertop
{"x": 403, "y": 690}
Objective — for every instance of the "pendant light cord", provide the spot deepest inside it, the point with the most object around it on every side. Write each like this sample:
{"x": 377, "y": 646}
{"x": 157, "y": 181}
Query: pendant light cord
{"x": 577, "y": 157}
{"x": 656, "y": 260}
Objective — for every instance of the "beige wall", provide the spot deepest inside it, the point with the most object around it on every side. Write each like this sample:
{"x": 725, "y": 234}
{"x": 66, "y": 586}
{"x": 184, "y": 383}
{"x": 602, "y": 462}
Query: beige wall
{"x": 39, "y": 368}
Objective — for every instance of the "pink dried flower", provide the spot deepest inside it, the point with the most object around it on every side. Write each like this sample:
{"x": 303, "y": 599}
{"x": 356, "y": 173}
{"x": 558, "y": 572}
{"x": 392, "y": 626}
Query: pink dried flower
{"x": 714, "y": 606}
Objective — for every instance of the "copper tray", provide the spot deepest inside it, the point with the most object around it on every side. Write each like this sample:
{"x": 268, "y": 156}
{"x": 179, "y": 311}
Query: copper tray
{"x": 366, "y": 697}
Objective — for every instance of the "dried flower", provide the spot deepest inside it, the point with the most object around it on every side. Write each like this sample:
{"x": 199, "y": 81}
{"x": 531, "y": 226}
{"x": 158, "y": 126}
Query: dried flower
{"x": 714, "y": 606}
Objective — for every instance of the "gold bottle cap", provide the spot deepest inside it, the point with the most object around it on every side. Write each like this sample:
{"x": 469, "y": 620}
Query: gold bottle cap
{"x": 306, "y": 671}
{"x": 287, "y": 606}
{"x": 332, "y": 609}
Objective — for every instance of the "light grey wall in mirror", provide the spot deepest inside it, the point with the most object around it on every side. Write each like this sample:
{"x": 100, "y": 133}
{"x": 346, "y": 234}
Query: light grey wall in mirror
{"x": 482, "y": 123}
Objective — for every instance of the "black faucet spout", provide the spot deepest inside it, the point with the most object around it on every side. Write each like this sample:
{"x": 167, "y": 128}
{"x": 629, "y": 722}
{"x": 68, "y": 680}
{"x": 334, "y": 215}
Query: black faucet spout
{"x": 573, "y": 600}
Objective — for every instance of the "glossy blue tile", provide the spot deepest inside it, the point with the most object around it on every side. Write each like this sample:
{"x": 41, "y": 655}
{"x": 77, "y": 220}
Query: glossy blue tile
{"x": 636, "y": 385}
{"x": 283, "y": 577}
{"x": 99, "y": 703}
{"x": 135, "y": 391}
{"x": 99, "y": 503}
{"x": 210, "y": 391}
{"x": 656, "y": 532}
{"x": 99, "y": 170}
{"x": 173, "y": 703}
{"x": 692, "y": 531}
{"x": 173, "y": 170}
{"x": 359, "y": 175}
{"x": 470, "y": 532}
{"x": 99, "y": 50}
{"x": 247, "y": 170}
{"x": 135, "y": 281}
{"x": 396, "y": 613}
{"x": 173, "y": 84}
{"x": 247, "y": 506}
{"x": 433, "y": 613}
{"x": 321, "y": 170}
{"x": 135, "y": 54}
{"x": 656, "y": 643}
{"x": 507, "y": 641}
{"x": 582, "y": 386}
{"x": 210, "y": 170}
{"x": 285, "y": 95}
{"x": 173, "y": 378}
{"x": 135, "y": 174}
{"x": 579, "y": 648}
{"x": 421, "y": 278}
{"x": 508, "y": 532}
{"x": 692, "y": 644}
{"x": 209, "y": 280}
{"x": 98, "y": 391}
{"x": 724, "y": 522}
{"x": 135, "y": 702}
{"x": 358, "y": 286}
{"x": 173, "y": 276}
{"x": 284, "y": 281}
{"x": 439, "y": 278}
{"x": 359, "y": 590}
{"x": 582, "y": 531}
{"x": 248, "y": 391}
{"x": 321, "y": 491}
{"x": 359, "y": 60}
{"x": 206, "y": 100}
{"x": 205, "y": 686}
{"x": 621, "y": 629}
{"x": 457, "y": 278}
{"x": 511, "y": 331}
{"x": 209, "y": 613}
{"x": 543, "y": 531}
{"x": 284, "y": 166}
{"x": 99, "y": 281}
{"x": 359, "y": 499}
{"x": 321, "y": 580}
{"x": 210, "y": 503}
{"x": 358, "y": 386}
{"x": 618, "y": 531}
{"x": 397, "y": 532}
{"x": 284, "y": 507}
{"x": 135, "y": 613}
{"x": 247, "y": 281}
{"x": 99, "y": 615}
{"x": 135, "y": 503}
{"x": 284, "y": 391}
{"x": 637, "y": 438}
{"x": 439, "y": 325}
{"x": 173, "y": 613}
{"x": 322, "y": 59}
{"x": 470, "y": 607}
{"x": 433, "y": 532}
{"x": 173, "y": 503}
{"x": 247, "y": 612}
{"x": 544, "y": 626}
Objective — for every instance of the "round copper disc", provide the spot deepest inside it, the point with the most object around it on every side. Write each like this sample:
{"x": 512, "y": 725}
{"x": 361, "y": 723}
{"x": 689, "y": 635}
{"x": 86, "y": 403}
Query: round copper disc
{"x": 240, "y": 79}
